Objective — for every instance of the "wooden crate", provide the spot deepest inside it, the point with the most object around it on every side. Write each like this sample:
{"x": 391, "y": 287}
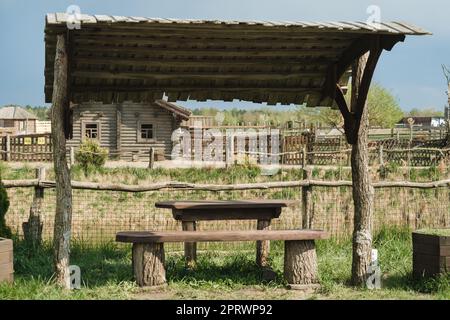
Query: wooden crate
{"x": 431, "y": 254}
{"x": 6, "y": 260}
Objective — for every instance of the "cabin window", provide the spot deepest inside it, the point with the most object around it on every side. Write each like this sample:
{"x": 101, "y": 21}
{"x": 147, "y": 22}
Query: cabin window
{"x": 146, "y": 131}
{"x": 91, "y": 130}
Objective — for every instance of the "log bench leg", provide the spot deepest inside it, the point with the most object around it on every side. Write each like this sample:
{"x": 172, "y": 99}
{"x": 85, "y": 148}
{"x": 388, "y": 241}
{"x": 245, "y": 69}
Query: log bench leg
{"x": 148, "y": 264}
{"x": 263, "y": 247}
{"x": 300, "y": 264}
{"x": 190, "y": 248}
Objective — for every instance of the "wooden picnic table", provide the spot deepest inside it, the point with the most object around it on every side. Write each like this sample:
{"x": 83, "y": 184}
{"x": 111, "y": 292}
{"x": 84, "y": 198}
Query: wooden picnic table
{"x": 189, "y": 212}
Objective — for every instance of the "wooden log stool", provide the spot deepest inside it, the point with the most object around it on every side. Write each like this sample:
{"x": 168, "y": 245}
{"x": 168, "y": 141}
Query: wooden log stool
{"x": 300, "y": 260}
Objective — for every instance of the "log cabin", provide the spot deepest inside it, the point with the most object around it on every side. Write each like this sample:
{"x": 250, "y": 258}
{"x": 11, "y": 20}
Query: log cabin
{"x": 16, "y": 120}
{"x": 128, "y": 130}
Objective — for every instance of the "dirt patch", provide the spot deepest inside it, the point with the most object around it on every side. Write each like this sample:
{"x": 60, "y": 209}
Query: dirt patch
{"x": 247, "y": 293}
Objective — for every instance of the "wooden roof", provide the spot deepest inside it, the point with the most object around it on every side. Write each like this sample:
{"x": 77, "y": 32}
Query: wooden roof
{"x": 115, "y": 58}
{"x": 16, "y": 113}
{"x": 183, "y": 113}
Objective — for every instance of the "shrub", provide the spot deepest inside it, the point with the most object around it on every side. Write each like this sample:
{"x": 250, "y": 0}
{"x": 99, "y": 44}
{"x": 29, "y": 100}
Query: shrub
{"x": 90, "y": 154}
{"x": 5, "y": 231}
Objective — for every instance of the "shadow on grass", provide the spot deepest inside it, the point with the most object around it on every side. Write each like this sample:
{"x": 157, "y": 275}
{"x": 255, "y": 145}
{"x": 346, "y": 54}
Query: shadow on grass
{"x": 212, "y": 269}
{"x": 99, "y": 265}
{"x": 111, "y": 263}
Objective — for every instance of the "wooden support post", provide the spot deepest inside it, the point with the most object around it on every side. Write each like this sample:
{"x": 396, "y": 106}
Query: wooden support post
{"x": 307, "y": 201}
{"x": 63, "y": 215}
{"x": 263, "y": 247}
{"x": 151, "y": 159}
{"x": 148, "y": 264}
{"x": 8, "y": 148}
{"x": 190, "y": 248}
{"x": 363, "y": 192}
{"x": 300, "y": 264}
{"x": 32, "y": 229}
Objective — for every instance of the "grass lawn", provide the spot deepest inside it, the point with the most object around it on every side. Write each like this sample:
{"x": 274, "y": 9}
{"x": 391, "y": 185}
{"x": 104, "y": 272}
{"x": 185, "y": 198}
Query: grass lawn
{"x": 106, "y": 274}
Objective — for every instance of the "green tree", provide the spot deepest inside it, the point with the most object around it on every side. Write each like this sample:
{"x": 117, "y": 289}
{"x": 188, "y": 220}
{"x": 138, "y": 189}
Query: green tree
{"x": 426, "y": 112}
{"x": 384, "y": 110}
{"x": 5, "y": 231}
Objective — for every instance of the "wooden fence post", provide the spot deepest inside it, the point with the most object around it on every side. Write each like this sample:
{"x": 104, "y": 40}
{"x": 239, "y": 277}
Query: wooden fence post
{"x": 72, "y": 156}
{"x": 307, "y": 200}
{"x": 8, "y": 148}
{"x": 32, "y": 229}
{"x": 151, "y": 159}
{"x": 380, "y": 155}
{"x": 304, "y": 158}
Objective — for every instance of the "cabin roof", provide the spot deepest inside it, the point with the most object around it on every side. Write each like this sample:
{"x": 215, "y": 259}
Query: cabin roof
{"x": 116, "y": 58}
{"x": 15, "y": 113}
{"x": 183, "y": 113}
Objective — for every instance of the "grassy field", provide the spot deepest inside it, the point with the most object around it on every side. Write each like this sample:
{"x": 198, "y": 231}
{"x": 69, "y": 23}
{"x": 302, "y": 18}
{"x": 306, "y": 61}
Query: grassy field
{"x": 106, "y": 274}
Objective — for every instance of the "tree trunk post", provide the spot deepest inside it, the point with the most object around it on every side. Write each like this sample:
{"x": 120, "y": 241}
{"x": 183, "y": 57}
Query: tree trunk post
{"x": 263, "y": 247}
{"x": 63, "y": 215}
{"x": 32, "y": 229}
{"x": 190, "y": 248}
{"x": 8, "y": 148}
{"x": 363, "y": 192}
{"x": 300, "y": 264}
{"x": 148, "y": 264}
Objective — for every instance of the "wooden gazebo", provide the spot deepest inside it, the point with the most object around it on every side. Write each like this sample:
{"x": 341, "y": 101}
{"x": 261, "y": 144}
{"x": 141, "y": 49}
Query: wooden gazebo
{"x": 115, "y": 58}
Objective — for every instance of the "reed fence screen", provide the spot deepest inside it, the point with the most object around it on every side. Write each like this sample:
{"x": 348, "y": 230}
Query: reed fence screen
{"x": 98, "y": 215}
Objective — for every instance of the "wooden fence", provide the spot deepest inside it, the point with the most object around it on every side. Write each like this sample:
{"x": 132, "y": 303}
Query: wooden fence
{"x": 102, "y": 209}
{"x": 29, "y": 147}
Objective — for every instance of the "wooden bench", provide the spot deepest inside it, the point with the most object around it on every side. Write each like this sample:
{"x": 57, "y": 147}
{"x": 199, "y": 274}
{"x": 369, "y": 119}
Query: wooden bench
{"x": 300, "y": 261}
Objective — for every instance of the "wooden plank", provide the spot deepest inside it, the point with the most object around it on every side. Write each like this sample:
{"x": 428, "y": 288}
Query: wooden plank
{"x": 225, "y": 204}
{"x": 431, "y": 249}
{"x": 199, "y": 236}
{"x": 209, "y": 214}
{"x": 424, "y": 238}
{"x": 143, "y": 75}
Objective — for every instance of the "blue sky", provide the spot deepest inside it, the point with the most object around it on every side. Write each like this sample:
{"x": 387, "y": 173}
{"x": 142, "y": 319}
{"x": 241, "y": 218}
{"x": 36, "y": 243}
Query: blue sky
{"x": 411, "y": 71}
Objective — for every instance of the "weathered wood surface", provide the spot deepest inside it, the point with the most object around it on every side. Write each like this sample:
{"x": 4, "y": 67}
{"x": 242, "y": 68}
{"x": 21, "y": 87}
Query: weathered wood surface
{"x": 63, "y": 216}
{"x": 210, "y": 214}
{"x": 119, "y": 127}
{"x": 431, "y": 254}
{"x": 148, "y": 264}
{"x": 219, "y": 204}
{"x": 199, "y": 236}
{"x": 363, "y": 191}
{"x": 32, "y": 229}
{"x": 280, "y": 55}
{"x": 6, "y": 260}
{"x": 300, "y": 262}
{"x": 262, "y": 246}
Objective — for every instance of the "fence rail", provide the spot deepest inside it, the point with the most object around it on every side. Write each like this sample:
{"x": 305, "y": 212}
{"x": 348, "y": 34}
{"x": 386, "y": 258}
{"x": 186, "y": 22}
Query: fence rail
{"x": 174, "y": 185}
